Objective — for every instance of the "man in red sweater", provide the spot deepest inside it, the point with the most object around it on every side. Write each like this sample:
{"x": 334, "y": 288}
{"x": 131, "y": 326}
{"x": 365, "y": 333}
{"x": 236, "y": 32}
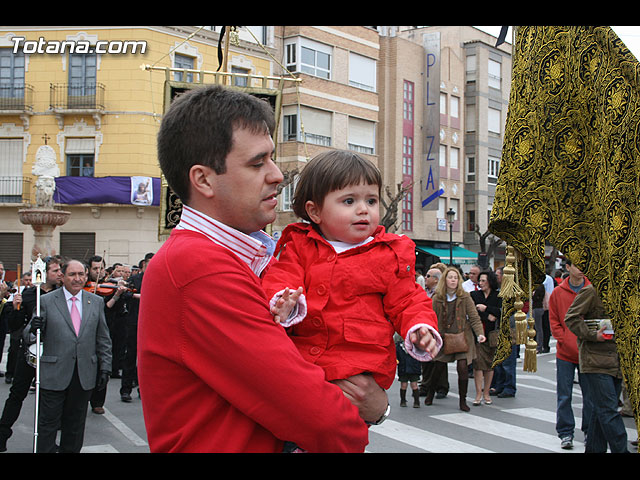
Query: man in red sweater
{"x": 567, "y": 361}
{"x": 216, "y": 373}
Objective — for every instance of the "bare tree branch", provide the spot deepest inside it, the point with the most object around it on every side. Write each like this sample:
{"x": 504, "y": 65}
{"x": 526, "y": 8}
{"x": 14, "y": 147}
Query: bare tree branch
{"x": 390, "y": 213}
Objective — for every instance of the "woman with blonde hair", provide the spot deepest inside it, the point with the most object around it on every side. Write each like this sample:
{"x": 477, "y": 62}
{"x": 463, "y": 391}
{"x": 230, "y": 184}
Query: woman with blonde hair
{"x": 456, "y": 313}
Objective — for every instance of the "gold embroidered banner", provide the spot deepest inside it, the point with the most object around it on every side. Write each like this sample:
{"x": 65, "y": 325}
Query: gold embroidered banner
{"x": 570, "y": 171}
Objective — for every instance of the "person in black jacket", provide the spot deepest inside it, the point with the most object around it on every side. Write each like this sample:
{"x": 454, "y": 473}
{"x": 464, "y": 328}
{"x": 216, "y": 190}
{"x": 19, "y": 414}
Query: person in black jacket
{"x": 24, "y": 373}
{"x": 489, "y": 305}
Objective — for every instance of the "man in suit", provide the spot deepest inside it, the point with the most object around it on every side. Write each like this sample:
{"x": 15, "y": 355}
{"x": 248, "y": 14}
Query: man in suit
{"x": 76, "y": 346}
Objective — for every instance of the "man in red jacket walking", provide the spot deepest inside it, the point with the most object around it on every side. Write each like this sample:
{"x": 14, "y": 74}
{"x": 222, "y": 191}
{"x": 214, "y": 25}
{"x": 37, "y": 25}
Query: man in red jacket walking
{"x": 216, "y": 373}
{"x": 567, "y": 362}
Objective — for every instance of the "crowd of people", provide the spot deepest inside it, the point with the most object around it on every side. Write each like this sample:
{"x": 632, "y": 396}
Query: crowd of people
{"x": 565, "y": 307}
{"x": 266, "y": 346}
{"x": 79, "y": 352}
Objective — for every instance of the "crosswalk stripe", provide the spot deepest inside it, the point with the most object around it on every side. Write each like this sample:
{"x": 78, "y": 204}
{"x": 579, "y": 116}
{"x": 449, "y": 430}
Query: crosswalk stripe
{"x": 99, "y": 449}
{"x": 502, "y": 429}
{"x": 425, "y": 440}
{"x": 550, "y": 417}
{"x": 125, "y": 430}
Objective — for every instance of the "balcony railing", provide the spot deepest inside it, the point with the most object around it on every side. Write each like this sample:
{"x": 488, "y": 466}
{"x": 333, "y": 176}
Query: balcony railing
{"x": 15, "y": 189}
{"x": 16, "y": 98}
{"x": 64, "y": 96}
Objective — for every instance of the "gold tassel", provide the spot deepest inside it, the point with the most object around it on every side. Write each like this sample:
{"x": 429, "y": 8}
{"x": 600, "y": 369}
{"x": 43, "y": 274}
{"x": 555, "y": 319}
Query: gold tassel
{"x": 521, "y": 322}
{"x": 509, "y": 287}
{"x": 531, "y": 349}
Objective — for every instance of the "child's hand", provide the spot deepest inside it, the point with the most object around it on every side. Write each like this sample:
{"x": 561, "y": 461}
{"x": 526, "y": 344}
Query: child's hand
{"x": 285, "y": 304}
{"x": 423, "y": 340}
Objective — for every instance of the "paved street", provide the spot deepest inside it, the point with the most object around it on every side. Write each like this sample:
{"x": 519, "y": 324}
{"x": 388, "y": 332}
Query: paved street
{"x": 524, "y": 424}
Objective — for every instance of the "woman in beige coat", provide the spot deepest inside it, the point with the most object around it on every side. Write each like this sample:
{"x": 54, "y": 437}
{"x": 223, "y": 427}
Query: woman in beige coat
{"x": 456, "y": 312}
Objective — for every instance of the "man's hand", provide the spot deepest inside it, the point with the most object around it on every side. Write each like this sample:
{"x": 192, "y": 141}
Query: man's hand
{"x": 285, "y": 304}
{"x": 102, "y": 381}
{"x": 37, "y": 323}
{"x": 17, "y": 300}
{"x": 370, "y": 399}
{"x": 424, "y": 340}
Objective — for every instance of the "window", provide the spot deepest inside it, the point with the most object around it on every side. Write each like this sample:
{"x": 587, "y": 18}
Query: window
{"x": 287, "y": 195}
{"x": 443, "y": 156}
{"x": 495, "y": 79}
{"x": 407, "y": 156}
{"x": 494, "y": 167}
{"x": 454, "y": 154}
{"x": 11, "y": 169}
{"x": 80, "y": 165}
{"x": 471, "y": 169}
{"x": 290, "y": 128}
{"x": 493, "y": 121}
{"x": 471, "y": 220}
{"x": 470, "y": 63}
{"x": 455, "y": 204}
{"x": 11, "y": 76}
{"x": 314, "y": 62}
{"x": 80, "y": 156}
{"x": 407, "y": 101}
{"x": 454, "y": 111}
{"x": 307, "y": 56}
{"x": 362, "y": 135}
{"x": 317, "y": 126}
{"x": 441, "y": 210}
{"x": 470, "y": 118}
{"x": 240, "y": 81}
{"x": 443, "y": 103}
{"x": 77, "y": 245}
{"x": 82, "y": 80}
{"x": 182, "y": 61}
{"x": 362, "y": 72}
{"x": 407, "y": 211}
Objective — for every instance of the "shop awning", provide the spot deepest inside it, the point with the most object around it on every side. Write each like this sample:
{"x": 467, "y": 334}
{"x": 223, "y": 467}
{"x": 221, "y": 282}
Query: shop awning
{"x": 461, "y": 256}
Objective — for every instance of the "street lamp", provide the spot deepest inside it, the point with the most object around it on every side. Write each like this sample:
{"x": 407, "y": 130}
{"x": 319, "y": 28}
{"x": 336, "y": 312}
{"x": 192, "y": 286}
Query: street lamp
{"x": 451, "y": 215}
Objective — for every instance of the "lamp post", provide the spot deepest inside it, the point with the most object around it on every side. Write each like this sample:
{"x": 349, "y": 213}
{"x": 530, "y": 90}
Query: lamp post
{"x": 451, "y": 215}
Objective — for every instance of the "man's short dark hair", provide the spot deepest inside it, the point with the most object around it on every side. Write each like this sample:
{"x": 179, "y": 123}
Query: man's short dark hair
{"x": 198, "y": 130}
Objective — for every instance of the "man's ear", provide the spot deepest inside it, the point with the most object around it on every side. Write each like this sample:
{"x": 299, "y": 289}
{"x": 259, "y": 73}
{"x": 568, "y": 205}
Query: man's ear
{"x": 313, "y": 211}
{"x": 202, "y": 179}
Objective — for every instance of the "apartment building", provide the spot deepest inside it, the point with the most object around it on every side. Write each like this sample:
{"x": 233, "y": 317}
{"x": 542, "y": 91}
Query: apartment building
{"x": 335, "y": 106}
{"x": 470, "y": 91}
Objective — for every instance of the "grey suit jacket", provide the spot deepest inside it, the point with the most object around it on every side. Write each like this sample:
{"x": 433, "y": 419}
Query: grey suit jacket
{"x": 62, "y": 350}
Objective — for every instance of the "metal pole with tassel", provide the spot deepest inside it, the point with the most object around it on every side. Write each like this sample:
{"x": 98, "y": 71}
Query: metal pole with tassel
{"x": 530, "y": 352}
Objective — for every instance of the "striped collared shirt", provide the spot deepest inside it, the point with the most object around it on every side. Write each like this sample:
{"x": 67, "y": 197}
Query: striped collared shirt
{"x": 256, "y": 249}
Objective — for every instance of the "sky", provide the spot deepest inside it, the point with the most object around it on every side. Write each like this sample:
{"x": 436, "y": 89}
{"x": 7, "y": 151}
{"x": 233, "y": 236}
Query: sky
{"x": 630, "y": 35}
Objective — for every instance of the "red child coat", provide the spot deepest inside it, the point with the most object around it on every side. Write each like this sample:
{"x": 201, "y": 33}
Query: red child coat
{"x": 355, "y": 300}
{"x": 215, "y": 370}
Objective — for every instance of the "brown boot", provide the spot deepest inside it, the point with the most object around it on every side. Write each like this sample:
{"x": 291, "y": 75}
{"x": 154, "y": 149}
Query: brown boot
{"x": 416, "y": 398}
{"x": 403, "y": 398}
{"x": 429, "y": 398}
{"x": 462, "y": 390}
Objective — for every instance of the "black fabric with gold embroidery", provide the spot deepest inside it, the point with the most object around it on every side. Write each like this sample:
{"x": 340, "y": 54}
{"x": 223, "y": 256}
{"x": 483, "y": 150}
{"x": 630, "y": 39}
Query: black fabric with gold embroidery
{"x": 570, "y": 171}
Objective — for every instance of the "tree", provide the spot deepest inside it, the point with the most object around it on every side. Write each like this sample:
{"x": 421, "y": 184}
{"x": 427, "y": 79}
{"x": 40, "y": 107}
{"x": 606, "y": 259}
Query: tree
{"x": 494, "y": 242}
{"x": 390, "y": 205}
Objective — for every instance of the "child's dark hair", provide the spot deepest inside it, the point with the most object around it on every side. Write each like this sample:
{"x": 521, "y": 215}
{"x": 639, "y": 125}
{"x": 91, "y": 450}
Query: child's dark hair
{"x": 329, "y": 171}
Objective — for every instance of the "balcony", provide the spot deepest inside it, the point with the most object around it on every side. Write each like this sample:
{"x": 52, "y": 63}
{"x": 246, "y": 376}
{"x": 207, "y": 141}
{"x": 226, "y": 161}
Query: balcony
{"x": 74, "y": 99}
{"x": 16, "y": 99}
{"x": 15, "y": 189}
{"x": 64, "y": 96}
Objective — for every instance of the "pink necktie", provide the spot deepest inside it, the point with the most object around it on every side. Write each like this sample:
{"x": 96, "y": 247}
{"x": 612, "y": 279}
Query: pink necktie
{"x": 75, "y": 315}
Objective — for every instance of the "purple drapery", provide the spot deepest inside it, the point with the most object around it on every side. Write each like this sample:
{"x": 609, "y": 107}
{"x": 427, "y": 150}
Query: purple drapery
{"x": 99, "y": 190}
